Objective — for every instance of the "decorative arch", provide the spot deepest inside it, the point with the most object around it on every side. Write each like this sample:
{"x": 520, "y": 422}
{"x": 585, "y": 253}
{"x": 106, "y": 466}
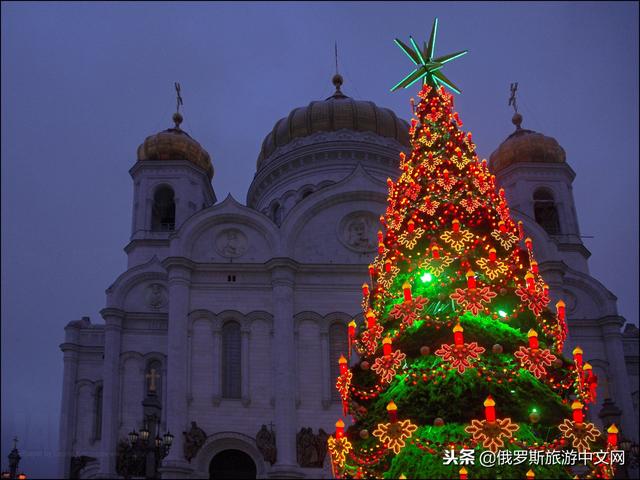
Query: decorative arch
{"x": 146, "y": 272}
{"x": 231, "y": 212}
{"x": 358, "y": 186}
{"x": 221, "y": 441}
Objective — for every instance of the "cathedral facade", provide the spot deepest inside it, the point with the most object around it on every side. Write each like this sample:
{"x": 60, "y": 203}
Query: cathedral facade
{"x": 226, "y": 327}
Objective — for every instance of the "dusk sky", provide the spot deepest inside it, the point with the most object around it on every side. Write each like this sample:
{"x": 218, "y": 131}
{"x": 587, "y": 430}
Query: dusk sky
{"x": 84, "y": 83}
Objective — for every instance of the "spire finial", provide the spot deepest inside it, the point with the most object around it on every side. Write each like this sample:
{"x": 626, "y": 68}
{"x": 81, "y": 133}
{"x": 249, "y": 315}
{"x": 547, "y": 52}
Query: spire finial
{"x": 337, "y": 79}
{"x": 517, "y": 118}
{"x": 177, "y": 117}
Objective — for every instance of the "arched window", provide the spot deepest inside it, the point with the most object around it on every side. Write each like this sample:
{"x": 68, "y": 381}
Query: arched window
{"x": 153, "y": 379}
{"x": 163, "y": 216}
{"x": 231, "y": 359}
{"x": 545, "y": 211}
{"x": 97, "y": 424}
{"x": 338, "y": 344}
{"x": 276, "y": 213}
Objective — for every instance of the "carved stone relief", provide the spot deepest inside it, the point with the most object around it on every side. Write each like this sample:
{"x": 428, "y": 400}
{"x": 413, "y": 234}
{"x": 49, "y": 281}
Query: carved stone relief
{"x": 357, "y": 231}
{"x": 155, "y": 296}
{"x": 231, "y": 243}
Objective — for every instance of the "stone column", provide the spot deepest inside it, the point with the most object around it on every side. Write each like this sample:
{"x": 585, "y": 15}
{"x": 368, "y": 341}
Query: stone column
{"x": 244, "y": 362}
{"x": 179, "y": 280}
{"x": 110, "y": 390}
{"x": 610, "y": 327}
{"x": 282, "y": 280}
{"x": 68, "y": 406}
{"x": 324, "y": 368}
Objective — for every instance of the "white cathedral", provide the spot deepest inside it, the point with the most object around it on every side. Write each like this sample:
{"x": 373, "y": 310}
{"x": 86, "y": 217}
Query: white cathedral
{"x": 233, "y": 316}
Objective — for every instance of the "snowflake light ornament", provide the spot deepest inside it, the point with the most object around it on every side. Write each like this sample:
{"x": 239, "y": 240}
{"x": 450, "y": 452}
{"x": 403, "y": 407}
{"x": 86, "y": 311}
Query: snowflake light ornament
{"x": 472, "y": 299}
{"x": 535, "y": 360}
{"x": 389, "y": 363}
{"x": 581, "y": 434}
{"x": 408, "y": 311}
{"x": 431, "y": 163}
{"x": 457, "y": 237}
{"x": 491, "y": 432}
{"x": 429, "y": 206}
{"x": 535, "y": 299}
{"x": 460, "y": 355}
{"x": 394, "y": 433}
{"x": 459, "y": 160}
{"x": 409, "y": 238}
{"x": 502, "y": 235}
{"x": 436, "y": 265}
{"x": 339, "y": 446}
{"x": 446, "y": 181}
{"x": 492, "y": 268}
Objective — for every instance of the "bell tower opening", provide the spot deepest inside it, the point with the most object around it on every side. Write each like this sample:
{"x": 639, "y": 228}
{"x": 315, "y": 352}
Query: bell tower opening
{"x": 232, "y": 464}
{"x": 545, "y": 211}
{"x": 163, "y": 216}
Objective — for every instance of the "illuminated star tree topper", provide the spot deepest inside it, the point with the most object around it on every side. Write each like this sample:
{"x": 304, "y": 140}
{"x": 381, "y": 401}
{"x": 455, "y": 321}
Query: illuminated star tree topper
{"x": 427, "y": 67}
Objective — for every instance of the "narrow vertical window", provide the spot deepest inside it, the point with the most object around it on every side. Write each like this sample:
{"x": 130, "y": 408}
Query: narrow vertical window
{"x": 546, "y": 211}
{"x": 337, "y": 347}
{"x": 231, "y": 360}
{"x": 163, "y": 215}
{"x": 97, "y": 429}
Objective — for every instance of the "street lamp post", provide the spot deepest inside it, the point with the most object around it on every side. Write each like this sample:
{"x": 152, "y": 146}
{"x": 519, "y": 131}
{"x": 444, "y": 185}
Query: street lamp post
{"x": 140, "y": 456}
{"x": 14, "y": 462}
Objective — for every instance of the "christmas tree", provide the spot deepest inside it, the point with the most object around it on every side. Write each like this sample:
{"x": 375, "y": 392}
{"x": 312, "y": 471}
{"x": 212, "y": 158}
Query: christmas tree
{"x": 459, "y": 349}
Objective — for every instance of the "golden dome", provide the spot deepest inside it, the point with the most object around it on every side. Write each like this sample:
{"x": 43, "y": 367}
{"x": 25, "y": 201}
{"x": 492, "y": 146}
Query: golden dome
{"x": 175, "y": 144}
{"x": 335, "y": 113}
{"x": 524, "y": 146}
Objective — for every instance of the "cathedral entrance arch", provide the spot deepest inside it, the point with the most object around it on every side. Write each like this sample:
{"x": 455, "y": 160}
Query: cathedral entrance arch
{"x": 229, "y": 455}
{"x": 232, "y": 464}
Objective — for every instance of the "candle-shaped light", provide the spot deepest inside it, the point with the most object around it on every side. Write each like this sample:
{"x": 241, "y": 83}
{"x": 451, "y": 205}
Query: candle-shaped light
{"x": 490, "y": 409}
{"x": 612, "y": 436}
{"x": 411, "y": 225}
{"x": 471, "y": 279}
{"x": 530, "y": 475}
{"x": 458, "y": 338}
{"x": 365, "y": 289}
{"x": 387, "y": 265}
{"x": 463, "y": 473}
{"x": 492, "y": 254}
{"x": 587, "y": 370}
{"x": 372, "y": 270}
{"x": 534, "y": 267}
{"x": 406, "y": 290}
{"x": 560, "y": 308}
{"x": 371, "y": 319}
{"x": 445, "y": 174}
{"x": 501, "y": 193}
{"x": 533, "y": 339}
{"x": 577, "y": 358}
{"x": 339, "y": 429}
{"x": 380, "y": 248}
{"x": 386, "y": 346}
{"x": 528, "y": 243}
{"x": 352, "y": 328}
{"x": 455, "y": 225}
{"x": 502, "y": 227}
{"x": 343, "y": 365}
{"x": 435, "y": 252}
{"x": 392, "y": 410}
{"x": 380, "y": 236}
{"x": 578, "y": 416}
{"x": 545, "y": 290}
{"x": 531, "y": 284}
{"x": 520, "y": 229}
